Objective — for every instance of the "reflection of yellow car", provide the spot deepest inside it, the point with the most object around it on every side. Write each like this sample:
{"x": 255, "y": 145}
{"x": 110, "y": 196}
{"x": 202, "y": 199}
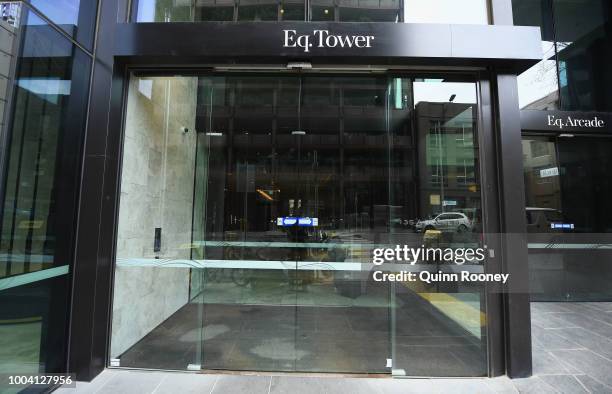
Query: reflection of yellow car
{"x": 432, "y": 236}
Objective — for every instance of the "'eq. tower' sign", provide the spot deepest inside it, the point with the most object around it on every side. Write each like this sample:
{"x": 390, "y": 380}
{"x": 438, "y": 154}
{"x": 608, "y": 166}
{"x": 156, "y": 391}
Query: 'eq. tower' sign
{"x": 323, "y": 39}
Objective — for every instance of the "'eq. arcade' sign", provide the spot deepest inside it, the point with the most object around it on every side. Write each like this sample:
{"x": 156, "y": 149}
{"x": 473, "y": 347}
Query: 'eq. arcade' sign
{"x": 323, "y": 39}
{"x": 566, "y": 121}
{"x": 570, "y": 121}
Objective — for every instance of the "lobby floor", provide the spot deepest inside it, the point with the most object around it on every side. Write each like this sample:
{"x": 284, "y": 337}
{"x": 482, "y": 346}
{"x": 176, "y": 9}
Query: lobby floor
{"x": 572, "y": 353}
{"x": 334, "y": 337}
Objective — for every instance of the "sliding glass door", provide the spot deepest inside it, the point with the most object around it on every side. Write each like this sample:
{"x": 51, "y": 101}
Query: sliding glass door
{"x": 292, "y": 191}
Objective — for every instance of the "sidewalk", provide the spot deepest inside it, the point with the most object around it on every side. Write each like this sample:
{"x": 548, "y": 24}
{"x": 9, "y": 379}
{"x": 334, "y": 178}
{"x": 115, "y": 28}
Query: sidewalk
{"x": 137, "y": 382}
{"x": 572, "y": 353}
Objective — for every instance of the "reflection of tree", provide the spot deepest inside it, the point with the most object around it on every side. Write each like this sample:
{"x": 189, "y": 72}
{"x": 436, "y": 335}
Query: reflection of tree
{"x": 538, "y": 86}
{"x": 546, "y": 66}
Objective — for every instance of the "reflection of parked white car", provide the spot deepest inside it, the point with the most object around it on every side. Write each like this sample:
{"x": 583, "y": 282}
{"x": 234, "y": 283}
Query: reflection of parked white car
{"x": 445, "y": 222}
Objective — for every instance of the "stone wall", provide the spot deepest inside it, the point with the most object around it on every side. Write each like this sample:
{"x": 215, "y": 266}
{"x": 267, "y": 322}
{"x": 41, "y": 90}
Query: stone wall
{"x": 156, "y": 192}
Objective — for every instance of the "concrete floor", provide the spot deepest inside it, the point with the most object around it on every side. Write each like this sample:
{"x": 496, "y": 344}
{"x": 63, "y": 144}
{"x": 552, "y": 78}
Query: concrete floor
{"x": 572, "y": 353}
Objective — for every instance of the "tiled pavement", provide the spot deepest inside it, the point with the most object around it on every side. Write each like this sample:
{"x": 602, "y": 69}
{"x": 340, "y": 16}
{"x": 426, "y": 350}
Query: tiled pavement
{"x": 572, "y": 353}
{"x": 572, "y": 348}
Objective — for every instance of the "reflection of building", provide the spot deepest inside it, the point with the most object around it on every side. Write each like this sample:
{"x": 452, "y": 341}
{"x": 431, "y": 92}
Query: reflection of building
{"x": 541, "y": 174}
{"x": 448, "y": 166}
{"x": 576, "y": 38}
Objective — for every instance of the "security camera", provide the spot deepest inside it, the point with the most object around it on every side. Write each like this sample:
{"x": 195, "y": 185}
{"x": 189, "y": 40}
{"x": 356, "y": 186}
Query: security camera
{"x": 185, "y": 130}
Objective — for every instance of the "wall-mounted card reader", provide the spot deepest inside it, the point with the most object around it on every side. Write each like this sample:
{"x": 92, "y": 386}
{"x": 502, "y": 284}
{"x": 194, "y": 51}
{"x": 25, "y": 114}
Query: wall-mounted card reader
{"x": 157, "y": 240}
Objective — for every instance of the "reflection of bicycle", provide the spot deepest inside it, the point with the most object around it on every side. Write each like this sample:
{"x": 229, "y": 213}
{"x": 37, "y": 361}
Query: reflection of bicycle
{"x": 242, "y": 276}
{"x": 239, "y": 276}
{"x": 213, "y": 275}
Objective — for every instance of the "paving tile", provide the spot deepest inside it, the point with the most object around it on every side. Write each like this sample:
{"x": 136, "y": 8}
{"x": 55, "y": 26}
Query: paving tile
{"x": 544, "y": 363}
{"x": 572, "y": 369}
{"x": 296, "y": 385}
{"x": 606, "y": 306}
{"x": 592, "y": 314}
{"x": 587, "y": 339}
{"x": 350, "y": 385}
{"x": 242, "y": 384}
{"x": 597, "y": 306}
{"x": 552, "y": 320}
{"x": 579, "y": 320}
{"x": 406, "y": 386}
{"x": 533, "y": 385}
{"x": 593, "y": 385}
{"x": 462, "y": 386}
{"x": 565, "y": 384}
{"x": 546, "y": 307}
{"x": 89, "y": 387}
{"x": 133, "y": 382}
{"x": 550, "y": 340}
{"x": 590, "y": 363}
{"x": 186, "y": 383}
{"x": 501, "y": 385}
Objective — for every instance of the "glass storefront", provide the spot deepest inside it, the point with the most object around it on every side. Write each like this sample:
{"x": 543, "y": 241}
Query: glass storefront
{"x": 250, "y": 207}
{"x": 568, "y": 189}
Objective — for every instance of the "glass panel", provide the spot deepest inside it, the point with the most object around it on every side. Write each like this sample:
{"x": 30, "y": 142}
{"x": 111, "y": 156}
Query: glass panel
{"x": 165, "y": 11}
{"x": 568, "y": 224}
{"x": 322, "y": 10}
{"x": 46, "y": 85}
{"x": 446, "y": 11}
{"x": 367, "y": 10}
{"x": 258, "y": 10}
{"x": 538, "y": 87}
{"x": 214, "y": 10}
{"x": 441, "y": 324}
{"x": 156, "y": 260}
{"x": 220, "y": 10}
{"x": 249, "y": 292}
{"x": 71, "y": 16}
{"x": 342, "y": 317}
{"x": 584, "y": 37}
{"x": 292, "y": 10}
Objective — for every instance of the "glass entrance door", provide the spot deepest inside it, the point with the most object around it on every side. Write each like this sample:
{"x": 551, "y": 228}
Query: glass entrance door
{"x": 250, "y": 198}
{"x": 342, "y": 315}
{"x": 251, "y": 207}
{"x": 299, "y": 185}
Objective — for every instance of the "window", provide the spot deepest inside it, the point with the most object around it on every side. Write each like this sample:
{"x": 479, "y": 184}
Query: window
{"x": 539, "y": 148}
{"x": 568, "y": 191}
{"x": 44, "y": 130}
{"x": 411, "y": 11}
{"x": 73, "y": 16}
{"x": 575, "y": 38}
{"x": 583, "y": 36}
{"x": 538, "y": 86}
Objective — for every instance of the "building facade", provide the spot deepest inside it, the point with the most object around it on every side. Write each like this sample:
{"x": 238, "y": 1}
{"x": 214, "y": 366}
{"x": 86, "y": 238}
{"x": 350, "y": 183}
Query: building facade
{"x": 201, "y": 185}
